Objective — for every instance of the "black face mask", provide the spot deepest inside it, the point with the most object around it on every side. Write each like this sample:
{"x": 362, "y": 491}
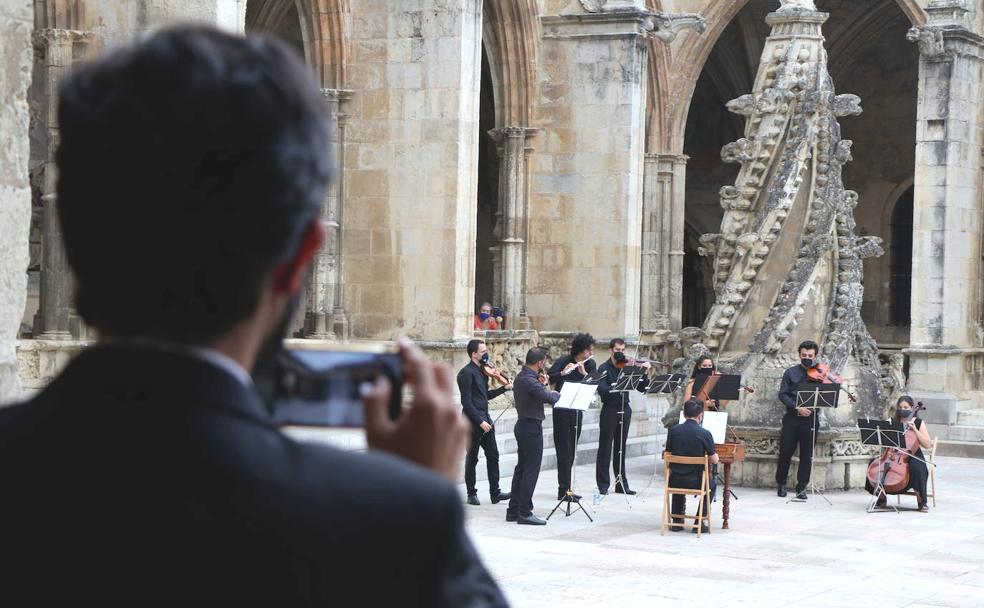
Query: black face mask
{"x": 905, "y": 413}
{"x": 619, "y": 356}
{"x": 485, "y": 359}
{"x": 807, "y": 363}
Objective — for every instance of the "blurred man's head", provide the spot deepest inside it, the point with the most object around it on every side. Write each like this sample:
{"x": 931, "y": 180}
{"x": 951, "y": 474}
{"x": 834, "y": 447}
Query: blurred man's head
{"x": 191, "y": 172}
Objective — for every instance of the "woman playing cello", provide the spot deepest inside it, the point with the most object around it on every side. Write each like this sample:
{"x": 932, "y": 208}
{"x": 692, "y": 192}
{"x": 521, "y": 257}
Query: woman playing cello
{"x": 703, "y": 367}
{"x": 918, "y": 471}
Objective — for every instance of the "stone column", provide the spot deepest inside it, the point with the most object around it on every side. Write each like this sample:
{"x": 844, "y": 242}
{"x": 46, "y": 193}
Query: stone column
{"x": 513, "y": 218}
{"x": 946, "y": 215}
{"x": 325, "y": 316}
{"x": 55, "y": 319}
{"x": 585, "y": 234}
{"x": 664, "y": 188}
{"x": 15, "y": 189}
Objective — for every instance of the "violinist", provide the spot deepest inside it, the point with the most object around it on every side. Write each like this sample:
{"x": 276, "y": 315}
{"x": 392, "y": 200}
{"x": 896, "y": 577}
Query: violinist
{"x": 566, "y": 422}
{"x": 473, "y": 384}
{"x": 918, "y": 471}
{"x": 799, "y": 424}
{"x": 704, "y": 367}
{"x": 616, "y": 415}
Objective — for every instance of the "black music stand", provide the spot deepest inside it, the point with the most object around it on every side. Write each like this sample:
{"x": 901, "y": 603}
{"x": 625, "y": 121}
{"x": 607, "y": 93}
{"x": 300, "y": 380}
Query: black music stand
{"x": 665, "y": 383}
{"x": 814, "y": 396}
{"x": 626, "y": 382}
{"x": 726, "y": 387}
{"x": 883, "y": 434}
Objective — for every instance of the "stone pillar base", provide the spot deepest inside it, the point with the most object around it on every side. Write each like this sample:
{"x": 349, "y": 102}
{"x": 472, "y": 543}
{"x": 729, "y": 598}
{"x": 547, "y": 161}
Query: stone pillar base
{"x": 840, "y": 461}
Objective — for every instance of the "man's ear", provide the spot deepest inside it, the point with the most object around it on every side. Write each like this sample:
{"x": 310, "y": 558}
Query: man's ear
{"x": 290, "y": 275}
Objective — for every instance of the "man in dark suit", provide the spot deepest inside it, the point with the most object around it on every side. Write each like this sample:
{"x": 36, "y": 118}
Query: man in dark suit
{"x": 531, "y": 393}
{"x": 567, "y": 423}
{"x": 192, "y": 170}
{"x": 473, "y": 385}
{"x": 689, "y": 439}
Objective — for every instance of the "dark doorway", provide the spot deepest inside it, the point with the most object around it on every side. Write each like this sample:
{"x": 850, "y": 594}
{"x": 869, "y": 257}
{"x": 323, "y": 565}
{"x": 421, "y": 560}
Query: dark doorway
{"x": 486, "y": 242}
{"x": 900, "y": 279}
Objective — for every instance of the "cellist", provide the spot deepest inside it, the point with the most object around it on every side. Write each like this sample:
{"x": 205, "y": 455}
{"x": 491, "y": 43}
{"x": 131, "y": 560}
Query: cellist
{"x": 703, "y": 366}
{"x": 918, "y": 471}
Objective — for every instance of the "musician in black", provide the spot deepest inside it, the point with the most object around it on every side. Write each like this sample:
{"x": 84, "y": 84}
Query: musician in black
{"x": 567, "y": 422}
{"x": 473, "y": 385}
{"x": 530, "y": 393}
{"x": 689, "y": 439}
{"x": 798, "y": 425}
{"x": 918, "y": 470}
{"x": 616, "y": 415}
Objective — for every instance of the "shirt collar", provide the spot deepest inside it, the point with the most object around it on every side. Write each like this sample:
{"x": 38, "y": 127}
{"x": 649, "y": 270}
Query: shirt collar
{"x": 202, "y": 353}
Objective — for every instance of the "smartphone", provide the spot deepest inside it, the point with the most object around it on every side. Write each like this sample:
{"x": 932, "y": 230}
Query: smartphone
{"x": 321, "y": 384}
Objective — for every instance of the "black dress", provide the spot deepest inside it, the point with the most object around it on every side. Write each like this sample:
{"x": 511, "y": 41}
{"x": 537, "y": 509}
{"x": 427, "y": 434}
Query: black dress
{"x": 918, "y": 473}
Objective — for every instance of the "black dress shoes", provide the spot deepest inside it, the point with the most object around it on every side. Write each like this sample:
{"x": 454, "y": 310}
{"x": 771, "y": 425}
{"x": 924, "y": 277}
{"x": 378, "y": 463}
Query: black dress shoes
{"x": 603, "y": 492}
{"x": 511, "y": 517}
{"x": 530, "y": 520}
{"x": 703, "y": 530}
{"x": 497, "y": 498}
{"x": 621, "y": 490}
{"x": 473, "y": 500}
{"x": 676, "y": 528}
{"x": 781, "y": 492}
{"x": 570, "y": 498}
{"x": 800, "y": 494}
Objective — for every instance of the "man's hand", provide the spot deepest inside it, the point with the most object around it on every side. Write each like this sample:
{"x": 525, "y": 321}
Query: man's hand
{"x": 581, "y": 368}
{"x": 508, "y": 387}
{"x": 431, "y": 432}
{"x": 485, "y": 426}
{"x": 568, "y": 368}
{"x": 803, "y": 411}
{"x": 646, "y": 365}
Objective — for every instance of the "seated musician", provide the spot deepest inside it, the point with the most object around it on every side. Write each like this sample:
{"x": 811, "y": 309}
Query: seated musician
{"x": 703, "y": 368}
{"x": 918, "y": 470}
{"x": 689, "y": 439}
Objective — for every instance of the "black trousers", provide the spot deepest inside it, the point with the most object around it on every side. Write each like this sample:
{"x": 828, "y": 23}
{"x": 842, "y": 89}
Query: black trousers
{"x": 529, "y": 443}
{"x": 796, "y": 431}
{"x": 678, "y": 502}
{"x": 613, "y": 433}
{"x": 486, "y": 441}
{"x": 565, "y": 422}
{"x": 918, "y": 479}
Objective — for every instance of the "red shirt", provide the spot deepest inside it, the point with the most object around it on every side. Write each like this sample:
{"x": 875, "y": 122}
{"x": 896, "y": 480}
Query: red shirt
{"x": 489, "y": 323}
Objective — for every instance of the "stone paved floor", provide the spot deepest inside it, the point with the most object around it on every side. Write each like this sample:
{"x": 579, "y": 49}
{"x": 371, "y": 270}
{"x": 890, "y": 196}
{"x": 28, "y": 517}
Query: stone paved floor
{"x": 775, "y": 554}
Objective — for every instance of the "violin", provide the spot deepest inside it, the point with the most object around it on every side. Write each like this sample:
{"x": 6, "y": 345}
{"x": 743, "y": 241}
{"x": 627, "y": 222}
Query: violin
{"x": 894, "y": 463}
{"x": 495, "y": 374}
{"x": 632, "y": 362}
{"x": 821, "y": 373}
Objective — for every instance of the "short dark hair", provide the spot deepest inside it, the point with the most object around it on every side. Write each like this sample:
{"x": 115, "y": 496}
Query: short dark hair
{"x": 189, "y": 167}
{"x": 693, "y": 408}
{"x": 615, "y": 342}
{"x": 581, "y": 342}
{"x": 808, "y": 345}
{"x": 473, "y": 346}
{"x": 535, "y": 355}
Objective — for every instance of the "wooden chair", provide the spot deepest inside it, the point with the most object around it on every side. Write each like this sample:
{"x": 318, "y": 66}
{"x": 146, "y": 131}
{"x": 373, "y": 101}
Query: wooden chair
{"x": 931, "y": 493}
{"x": 704, "y": 492}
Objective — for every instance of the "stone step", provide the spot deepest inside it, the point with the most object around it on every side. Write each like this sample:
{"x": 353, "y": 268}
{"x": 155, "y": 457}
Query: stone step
{"x": 962, "y": 449}
{"x": 587, "y": 453}
{"x": 970, "y": 417}
{"x": 960, "y": 432}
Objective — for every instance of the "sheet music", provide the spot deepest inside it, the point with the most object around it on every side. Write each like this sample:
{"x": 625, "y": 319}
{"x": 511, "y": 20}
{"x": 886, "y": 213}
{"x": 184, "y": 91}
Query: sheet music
{"x": 715, "y": 422}
{"x": 576, "y": 396}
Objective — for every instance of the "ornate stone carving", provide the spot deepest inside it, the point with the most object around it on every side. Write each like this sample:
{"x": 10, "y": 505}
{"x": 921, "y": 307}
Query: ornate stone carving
{"x": 668, "y": 25}
{"x": 797, "y": 4}
{"x": 930, "y": 40}
{"x": 846, "y": 105}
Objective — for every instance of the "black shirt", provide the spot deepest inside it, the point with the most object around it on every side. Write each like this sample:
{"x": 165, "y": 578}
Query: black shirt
{"x": 473, "y": 385}
{"x": 791, "y": 378}
{"x": 530, "y": 395}
{"x": 688, "y": 439}
{"x": 557, "y": 379}
{"x": 608, "y": 398}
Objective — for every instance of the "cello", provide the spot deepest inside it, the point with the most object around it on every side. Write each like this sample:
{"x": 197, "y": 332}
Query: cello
{"x": 894, "y": 463}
